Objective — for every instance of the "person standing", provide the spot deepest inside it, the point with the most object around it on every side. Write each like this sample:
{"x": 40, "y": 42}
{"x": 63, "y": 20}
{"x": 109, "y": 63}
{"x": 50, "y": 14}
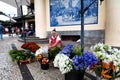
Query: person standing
{"x": 1, "y": 31}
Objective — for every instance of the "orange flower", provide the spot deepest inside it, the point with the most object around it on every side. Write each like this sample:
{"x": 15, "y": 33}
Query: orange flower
{"x": 107, "y": 68}
{"x": 105, "y": 74}
{"x": 109, "y": 65}
{"x": 31, "y": 46}
{"x": 114, "y": 68}
{"x": 105, "y": 65}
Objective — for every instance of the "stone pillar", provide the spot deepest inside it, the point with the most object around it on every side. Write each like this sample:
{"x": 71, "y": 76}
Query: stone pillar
{"x": 40, "y": 17}
{"x": 112, "y": 29}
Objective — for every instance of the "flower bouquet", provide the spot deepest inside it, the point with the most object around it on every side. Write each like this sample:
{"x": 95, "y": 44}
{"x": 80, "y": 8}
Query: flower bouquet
{"x": 72, "y": 60}
{"x": 108, "y": 66}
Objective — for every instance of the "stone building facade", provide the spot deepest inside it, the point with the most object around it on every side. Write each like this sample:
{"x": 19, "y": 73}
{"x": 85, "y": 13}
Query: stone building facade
{"x": 106, "y": 30}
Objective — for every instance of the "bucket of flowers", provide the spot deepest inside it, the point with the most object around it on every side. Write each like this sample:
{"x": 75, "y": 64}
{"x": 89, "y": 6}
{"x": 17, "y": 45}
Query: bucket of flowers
{"x": 41, "y": 52}
{"x": 72, "y": 62}
{"x": 45, "y": 63}
{"x": 108, "y": 66}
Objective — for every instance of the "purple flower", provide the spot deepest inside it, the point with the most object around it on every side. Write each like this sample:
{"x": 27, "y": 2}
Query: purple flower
{"x": 67, "y": 50}
{"x": 84, "y": 61}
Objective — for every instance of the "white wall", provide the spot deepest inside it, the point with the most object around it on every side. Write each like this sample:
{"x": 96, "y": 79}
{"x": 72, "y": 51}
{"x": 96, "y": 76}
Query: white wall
{"x": 113, "y": 23}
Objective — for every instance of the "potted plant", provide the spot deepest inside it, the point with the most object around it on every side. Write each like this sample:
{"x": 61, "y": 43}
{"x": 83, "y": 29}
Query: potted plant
{"x": 72, "y": 62}
{"x": 45, "y": 63}
{"x": 20, "y": 56}
{"x": 53, "y": 52}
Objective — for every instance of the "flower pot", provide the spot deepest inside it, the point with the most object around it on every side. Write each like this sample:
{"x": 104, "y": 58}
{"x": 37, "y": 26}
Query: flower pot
{"x": 44, "y": 66}
{"x": 76, "y": 75}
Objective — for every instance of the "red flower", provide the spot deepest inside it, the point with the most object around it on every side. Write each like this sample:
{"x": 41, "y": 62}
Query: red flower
{"x": 31, "y": 46}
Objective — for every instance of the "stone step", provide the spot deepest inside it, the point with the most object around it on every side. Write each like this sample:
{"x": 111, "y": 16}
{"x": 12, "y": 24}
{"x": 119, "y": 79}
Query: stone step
{"x": 34, "y": 39}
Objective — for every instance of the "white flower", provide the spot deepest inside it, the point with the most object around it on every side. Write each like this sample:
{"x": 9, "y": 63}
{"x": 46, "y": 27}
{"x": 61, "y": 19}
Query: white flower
{"x": 39, "y": 51}
{"x": 107, "y": 54}
{"x": 100, "y": 47}
{"x": 100, "y": 55}
{"x": 42, "y": 50}
{"x": 108, "y": 59}
{"x": 63, "y": 62}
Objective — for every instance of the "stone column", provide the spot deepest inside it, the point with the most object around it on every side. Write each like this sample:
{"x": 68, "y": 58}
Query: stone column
{"x": 40, "y": 17}
{"x": 112, "y": 29}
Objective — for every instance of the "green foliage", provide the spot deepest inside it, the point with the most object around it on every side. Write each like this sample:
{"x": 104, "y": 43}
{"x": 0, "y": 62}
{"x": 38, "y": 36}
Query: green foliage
{"x": 17, "y": 55}
{"x": 106, "y": 47}
{"x": 98, "y": 70}
{"x": 54, "y": 52}
{"x": 117, "y": 73}
{"x": 97, "y": 49}
{"x": 78, "y": 50}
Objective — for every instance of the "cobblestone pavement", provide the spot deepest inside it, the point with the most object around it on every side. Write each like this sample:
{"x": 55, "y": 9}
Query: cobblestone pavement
{"x": 10, "y": 71}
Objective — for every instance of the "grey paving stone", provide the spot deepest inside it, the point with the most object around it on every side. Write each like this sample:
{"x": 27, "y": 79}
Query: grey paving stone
{"x": 50, "y": 74}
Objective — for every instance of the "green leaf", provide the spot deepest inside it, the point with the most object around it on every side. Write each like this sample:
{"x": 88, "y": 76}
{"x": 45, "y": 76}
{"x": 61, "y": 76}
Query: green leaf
{"x": 17, "y": 55}
{"x": 98, "y": 70}
{"x": 97, "y": 49}
{"x": 106, "y": 47}
{"x": 55, "y": 51}
{"x": 78, "y": 50}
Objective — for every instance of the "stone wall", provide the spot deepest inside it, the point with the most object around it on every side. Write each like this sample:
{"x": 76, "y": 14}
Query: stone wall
{"x": 94, "y": 36}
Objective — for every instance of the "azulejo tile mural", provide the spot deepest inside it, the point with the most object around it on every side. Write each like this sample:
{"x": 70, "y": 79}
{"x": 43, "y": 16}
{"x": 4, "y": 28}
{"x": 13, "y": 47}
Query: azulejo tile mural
{"x": 67, "y": 12}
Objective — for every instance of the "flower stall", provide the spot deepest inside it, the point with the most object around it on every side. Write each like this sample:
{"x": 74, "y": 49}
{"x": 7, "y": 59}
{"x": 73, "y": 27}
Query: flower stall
{"x": 102, "y": 59}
